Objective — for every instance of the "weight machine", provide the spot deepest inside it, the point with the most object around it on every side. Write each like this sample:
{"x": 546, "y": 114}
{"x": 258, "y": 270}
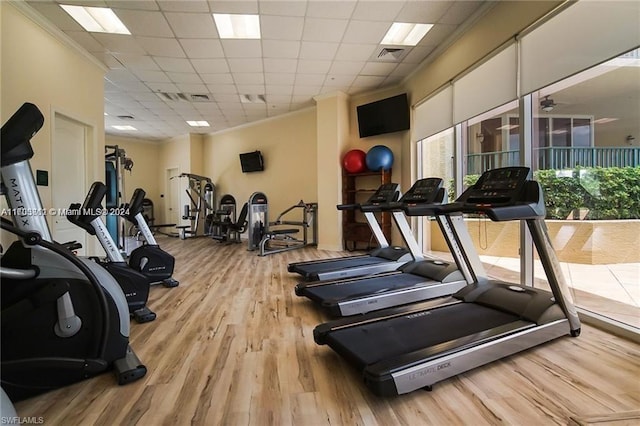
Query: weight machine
{"x": 282, "y": 239}
{"x": 116, "y": 163}
{"x": 202, "y": 194}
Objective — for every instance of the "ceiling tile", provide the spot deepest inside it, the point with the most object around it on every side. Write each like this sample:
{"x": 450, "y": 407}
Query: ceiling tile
{"x": 274, "y": 89}
{"x": 283, "y": 8}
{"x": 222, "y": 89}
{"x": 279, "y": 99}
{"x": 305, "y": 90}
{"x": 163, "y": 87}
{"x": 318, "y": 29}
{"x": 309, "y": 80}
{"x": 245, "y": 65}
{"x": 119, "y": 75}
{"x": 118, "y": 43}
{"x": 192, "y": 88}
{"x": 378, "y": 68}
{"x": 251, "y": 89}
{"x": 56, "y": 15}
{"x": 220, "y": 78}
{"x": 152, "y": 76}
{"x": 183, "y": 6}
{"x": 224, "y": 98}
{"x": 156, "y": 46}
{"x": 281, "y": 27}
{"x": 184, "y": 77}
{"x": 280, "y": 65}
{"x": 244, "y": 6}
{"x": 210, "y": 65}
{"x": 339, "y": 80}
{"x": 242, "y": 48}
{"x": 459, "y": 11}
{"x": 365, "y": 32}
{"x": 137, "y": 62}
{"x": 306, "y": 66}
{"x": 85, "y": 40}
{"x": 145, "y": 23}
{"x": 108, "y": 59}
{"x": 248, "y": 78}
{"x": 132, "y": 4}
{"x": 426, "y": 12}
{"x": 331, "y": 9}
{"x": 367, "y": 81}
{"x": 280, "y": 49}
{"x": 417, "y": 54}
{"x": 279, "y": 78}
{"x": 355, "y": 52}
{"x": 192, "y": 25}
{"x": 202, "y": 48}
{"x": 377, "y": 11}
{"x": 346, "y": 67}
{"x": 317, "y": 50}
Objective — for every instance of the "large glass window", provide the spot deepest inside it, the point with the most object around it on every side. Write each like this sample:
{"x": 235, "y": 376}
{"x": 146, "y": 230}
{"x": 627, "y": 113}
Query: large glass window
{"x": 590, "y": 173}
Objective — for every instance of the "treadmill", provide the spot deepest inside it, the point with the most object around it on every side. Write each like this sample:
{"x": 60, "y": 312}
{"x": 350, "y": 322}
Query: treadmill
{"x": 417, "y": 280}
{"x": 385, "y": 258}
{"x": 415, "y": 346}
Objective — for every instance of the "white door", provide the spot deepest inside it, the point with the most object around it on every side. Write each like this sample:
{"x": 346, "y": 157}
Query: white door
{"x": 172, "y": 203}
{"x": 68, "y": 176}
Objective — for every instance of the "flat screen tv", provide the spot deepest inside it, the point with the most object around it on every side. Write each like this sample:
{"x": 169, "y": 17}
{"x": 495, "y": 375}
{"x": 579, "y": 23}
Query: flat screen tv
{"x": 384, "y": 116}
{"x": 252, "y": 162}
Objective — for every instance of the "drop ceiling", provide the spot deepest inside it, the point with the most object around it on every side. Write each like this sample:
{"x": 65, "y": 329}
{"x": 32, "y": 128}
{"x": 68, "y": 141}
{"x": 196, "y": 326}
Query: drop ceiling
{"x": 174, "y": 67}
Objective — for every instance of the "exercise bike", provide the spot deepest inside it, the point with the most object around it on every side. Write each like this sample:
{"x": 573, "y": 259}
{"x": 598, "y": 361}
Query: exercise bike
{"x": 64, "y": 318}
{"x": 153, "y": 262}
{"x": 134, "y": 284}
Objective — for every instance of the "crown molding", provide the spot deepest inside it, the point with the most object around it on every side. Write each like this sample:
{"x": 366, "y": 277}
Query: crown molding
{"x": 56, "y": 33}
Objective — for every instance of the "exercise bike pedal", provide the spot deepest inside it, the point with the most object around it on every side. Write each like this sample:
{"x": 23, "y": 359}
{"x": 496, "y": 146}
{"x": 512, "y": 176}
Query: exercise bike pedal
{"x": 170, "y": 282}
{"x": 143, "y": 315}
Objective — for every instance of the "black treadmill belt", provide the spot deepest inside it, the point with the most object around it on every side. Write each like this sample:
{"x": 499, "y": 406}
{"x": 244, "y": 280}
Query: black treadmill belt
{"x": 380, "y": 340}
{"x": 334, "y": 265}
{"x": 363, "y": 287}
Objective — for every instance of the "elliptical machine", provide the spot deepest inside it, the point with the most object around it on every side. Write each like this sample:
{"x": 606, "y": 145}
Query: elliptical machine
{"x": 64, "y": 318}
{"x": 153, "y": 262}
{"x": 134, "y": 284}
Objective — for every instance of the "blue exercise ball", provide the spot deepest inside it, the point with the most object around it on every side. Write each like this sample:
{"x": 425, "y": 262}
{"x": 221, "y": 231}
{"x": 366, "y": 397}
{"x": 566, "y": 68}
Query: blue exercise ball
{"x": 379, "y": 158}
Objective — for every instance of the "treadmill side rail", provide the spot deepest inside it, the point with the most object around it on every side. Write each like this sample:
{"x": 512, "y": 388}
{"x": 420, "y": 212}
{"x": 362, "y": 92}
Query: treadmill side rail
{"x": 435, "y": 370}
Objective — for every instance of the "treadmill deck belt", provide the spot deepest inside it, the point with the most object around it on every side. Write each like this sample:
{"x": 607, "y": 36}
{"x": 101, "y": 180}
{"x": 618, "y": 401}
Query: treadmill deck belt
{"x": 363, "y": 287}
{"x": 380, "y": 340}
{"x": 337, "y": 264}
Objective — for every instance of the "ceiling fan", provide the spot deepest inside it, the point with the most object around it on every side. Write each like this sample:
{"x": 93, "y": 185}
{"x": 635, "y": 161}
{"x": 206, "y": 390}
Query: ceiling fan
{"x": 547, "y": 104}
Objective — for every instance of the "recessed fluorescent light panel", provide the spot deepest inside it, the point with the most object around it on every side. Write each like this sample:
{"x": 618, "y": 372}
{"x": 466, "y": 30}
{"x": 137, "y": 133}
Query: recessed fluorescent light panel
{"x": 96, "y": 19}
{"x": 237, "y": 26}
{"x": 404, "y": 34}
{"x": 124, "y": 127}
{"x": 198, "y": 123}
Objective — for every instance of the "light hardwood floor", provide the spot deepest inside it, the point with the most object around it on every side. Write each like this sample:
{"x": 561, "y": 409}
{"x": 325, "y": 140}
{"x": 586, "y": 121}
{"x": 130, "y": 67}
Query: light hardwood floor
{"x": 233, "y": 345}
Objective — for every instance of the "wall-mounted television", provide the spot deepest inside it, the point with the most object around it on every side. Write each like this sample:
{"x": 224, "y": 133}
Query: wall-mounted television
{"x": 384, "y": 116}
{"x": 252, "y": 162}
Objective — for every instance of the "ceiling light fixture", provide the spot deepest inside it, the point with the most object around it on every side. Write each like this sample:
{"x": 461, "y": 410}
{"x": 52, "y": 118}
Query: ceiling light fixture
{"x": 237, "y": 26}
{"x": 197, "y": 123}
{"x": 124, "y": 127}
{"x": 96, "y": 19}
{"x": 405, "y": 34}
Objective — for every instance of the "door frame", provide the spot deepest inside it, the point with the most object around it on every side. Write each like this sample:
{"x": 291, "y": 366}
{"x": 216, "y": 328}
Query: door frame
{"x": 93, "y": 168}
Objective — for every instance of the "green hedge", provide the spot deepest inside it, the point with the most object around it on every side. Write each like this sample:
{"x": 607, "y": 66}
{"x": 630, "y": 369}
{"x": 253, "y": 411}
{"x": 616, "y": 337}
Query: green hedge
{"x": 607, "y": 193}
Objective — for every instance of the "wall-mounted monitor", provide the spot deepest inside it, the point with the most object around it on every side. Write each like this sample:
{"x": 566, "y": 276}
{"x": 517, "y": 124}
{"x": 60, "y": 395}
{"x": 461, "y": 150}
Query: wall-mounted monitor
{"x": 252, "y": 162}
{"x": 384, "y": 116}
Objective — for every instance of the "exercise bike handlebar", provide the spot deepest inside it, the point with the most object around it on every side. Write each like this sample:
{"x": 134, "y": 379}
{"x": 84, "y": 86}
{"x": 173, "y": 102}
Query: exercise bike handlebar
{"x": 17, "y": 132}
{"x": 135, "y": 205}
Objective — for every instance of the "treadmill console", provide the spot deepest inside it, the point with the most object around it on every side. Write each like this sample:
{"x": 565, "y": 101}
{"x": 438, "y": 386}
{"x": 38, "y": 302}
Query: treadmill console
{"x": 386, "y": 193}
{"x": 497, "y": 187}
{"x": 424, "y": 191}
